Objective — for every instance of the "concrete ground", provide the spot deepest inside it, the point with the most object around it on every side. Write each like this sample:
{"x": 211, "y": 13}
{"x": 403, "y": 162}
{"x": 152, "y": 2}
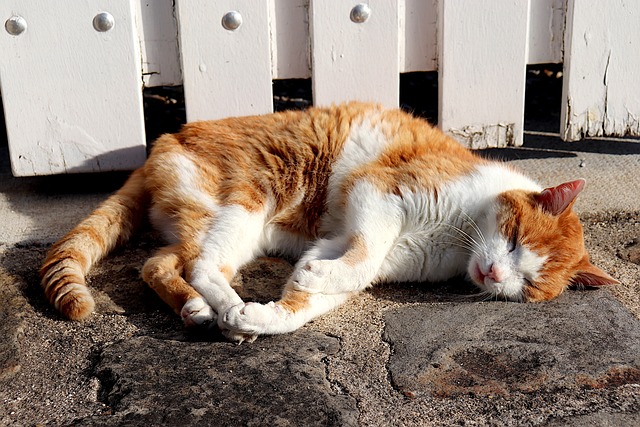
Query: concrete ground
{"x": 404, "y": 354}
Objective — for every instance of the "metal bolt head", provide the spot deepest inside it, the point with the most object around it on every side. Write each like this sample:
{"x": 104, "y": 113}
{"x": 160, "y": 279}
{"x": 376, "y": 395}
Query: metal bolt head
{"x": 360, "y": 13}
{"x": 15, "y": 25}
{"x": 103, "y": 22}
{"x": 232, "y": 20}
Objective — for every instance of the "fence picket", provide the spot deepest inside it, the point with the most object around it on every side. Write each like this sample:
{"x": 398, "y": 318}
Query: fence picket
{"x": 482, "y": 56}
{"x": 226, "y": 72}
{"x": 71, "y": 94}
{"x": 353, "y": 60}
{"x": 601, "y": 84}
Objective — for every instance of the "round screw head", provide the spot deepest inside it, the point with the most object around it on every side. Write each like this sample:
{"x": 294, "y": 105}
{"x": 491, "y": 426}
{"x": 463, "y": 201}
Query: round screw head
{"x": 232, "y": 20}
{"x": 360, "y": 13}
{"x": 103, "y": 22}
{"x": 15, "y": 25}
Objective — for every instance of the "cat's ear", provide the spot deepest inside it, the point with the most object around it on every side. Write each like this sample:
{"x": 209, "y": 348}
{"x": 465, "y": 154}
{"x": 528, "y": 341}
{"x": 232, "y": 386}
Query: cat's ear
{"x": 556, "y": 200}
{"x": 590, "y": 275}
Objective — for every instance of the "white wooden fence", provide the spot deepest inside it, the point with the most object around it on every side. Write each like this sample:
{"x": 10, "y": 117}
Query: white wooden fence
{"x": 71, "y": 72}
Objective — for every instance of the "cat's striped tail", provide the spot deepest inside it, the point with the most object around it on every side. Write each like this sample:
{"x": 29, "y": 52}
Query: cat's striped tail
{"x": 68, "y": 261}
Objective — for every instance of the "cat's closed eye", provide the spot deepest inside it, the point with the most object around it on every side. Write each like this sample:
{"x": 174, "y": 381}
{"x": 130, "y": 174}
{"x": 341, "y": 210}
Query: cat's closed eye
{"x": 513, "y": 240}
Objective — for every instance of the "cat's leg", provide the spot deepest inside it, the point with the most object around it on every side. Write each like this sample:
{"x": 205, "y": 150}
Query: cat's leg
{"x": 332, "y": 270}
{"x": 232, "y": 240}
{"x": 350, "y": 262}
{"x": 164, "y": 274}
{"x": 292, "y": 311}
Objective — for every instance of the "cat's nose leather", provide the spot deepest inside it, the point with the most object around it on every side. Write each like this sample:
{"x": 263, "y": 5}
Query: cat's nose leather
{"x": 494, "y": 273}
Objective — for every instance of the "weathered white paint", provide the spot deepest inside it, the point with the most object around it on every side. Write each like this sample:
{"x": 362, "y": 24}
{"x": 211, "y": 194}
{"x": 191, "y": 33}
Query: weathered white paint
{"x": 354, "y": 60}
{"x": 546, "y": 26}
{"x": 418, "y": 30}
{"x": 71, "y": 94}
{"x": 482, "y": 56}
{"x": 158, "y": 33}
{"x": 290, "y": 43}
{"x": 226, "y": 73}
{"x": 601, "y": 87}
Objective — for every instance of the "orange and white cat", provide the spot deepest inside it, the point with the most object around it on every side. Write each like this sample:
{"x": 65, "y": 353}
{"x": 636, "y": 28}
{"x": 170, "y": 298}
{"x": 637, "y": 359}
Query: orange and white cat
{"x": 358, "y": 193}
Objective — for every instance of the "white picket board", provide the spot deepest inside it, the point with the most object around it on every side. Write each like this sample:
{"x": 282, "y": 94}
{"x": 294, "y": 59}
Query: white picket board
{"x": 225, "y": 72}
{"x": 290, "y": 39}
{"x": 72, "y": 95}
{"x": 418, "y": 30}
{"x": 482, "y": 70}
{"x": 290, "y": 42}
{"x": 546, "y": 27}
{"x": 158, "y": 33}
{"x": 601, "y": 87}
{"x": 354, "y": 61}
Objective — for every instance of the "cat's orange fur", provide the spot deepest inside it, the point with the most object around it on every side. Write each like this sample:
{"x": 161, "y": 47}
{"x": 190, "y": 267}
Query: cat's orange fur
{"x": 280, "y": 165}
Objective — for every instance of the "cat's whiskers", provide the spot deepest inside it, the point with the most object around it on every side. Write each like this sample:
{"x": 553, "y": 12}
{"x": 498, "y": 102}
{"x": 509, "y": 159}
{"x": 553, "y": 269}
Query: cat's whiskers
{"x": 467, "y": 240}
{"x": 474, "y": 225}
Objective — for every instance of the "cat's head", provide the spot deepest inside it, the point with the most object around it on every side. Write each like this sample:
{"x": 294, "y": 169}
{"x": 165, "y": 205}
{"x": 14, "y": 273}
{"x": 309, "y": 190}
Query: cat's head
{"x": 532, "y": 246}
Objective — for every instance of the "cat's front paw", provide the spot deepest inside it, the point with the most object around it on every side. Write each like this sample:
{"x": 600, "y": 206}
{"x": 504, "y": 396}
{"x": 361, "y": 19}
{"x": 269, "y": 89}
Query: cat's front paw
{"x": 248, "y": 318}
{"x": 313, "y": 277}
{"x": 197, "y": 313}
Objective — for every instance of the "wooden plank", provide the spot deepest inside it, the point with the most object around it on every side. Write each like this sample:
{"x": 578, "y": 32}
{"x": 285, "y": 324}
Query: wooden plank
{"x": 482, "y": 68}
{"x": 602, "y": 58}
{"x": 418, "y": 29}
{"x": 158, "y": 33}
{"x": 225, "y": 72}
{"x": 290, "y": 41}
{"x": 354, "y": 60}
{"x": 546, "y": 31}
{"x": 72, "y": 95}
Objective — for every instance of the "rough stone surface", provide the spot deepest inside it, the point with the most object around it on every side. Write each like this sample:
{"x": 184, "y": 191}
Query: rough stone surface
{"x": 631, "y": 252}
{"x": 583, "y": 340}
{"x": 276, "y": 381}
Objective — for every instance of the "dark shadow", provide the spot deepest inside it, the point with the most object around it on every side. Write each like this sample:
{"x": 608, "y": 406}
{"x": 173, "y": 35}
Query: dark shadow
{"x": 543, "y": 98}
{"x": 551, "y": 146}
{"x": 292, "y": 94}
{"x": 419, "y": 94}
{"x": 164, "y": 111}
{"x": 455, "y": 290}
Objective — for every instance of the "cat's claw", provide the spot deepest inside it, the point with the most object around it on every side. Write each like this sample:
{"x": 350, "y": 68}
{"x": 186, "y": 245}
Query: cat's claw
{"x": 238, "y": 337}
{"x": 197, "y": 313}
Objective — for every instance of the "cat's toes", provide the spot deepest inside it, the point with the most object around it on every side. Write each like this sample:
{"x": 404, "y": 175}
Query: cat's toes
{"x": 312, "y": 277}
{"x": 196, "y": 313}
{"x": 248, "y": 318}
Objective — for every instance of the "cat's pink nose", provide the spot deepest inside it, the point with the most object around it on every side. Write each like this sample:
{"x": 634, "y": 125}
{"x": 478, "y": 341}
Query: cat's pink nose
{"x": 494, "y": 273}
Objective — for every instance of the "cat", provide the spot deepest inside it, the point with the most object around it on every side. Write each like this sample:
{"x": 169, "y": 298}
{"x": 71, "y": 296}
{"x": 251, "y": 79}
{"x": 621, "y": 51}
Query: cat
{"x": 358, "y": 193}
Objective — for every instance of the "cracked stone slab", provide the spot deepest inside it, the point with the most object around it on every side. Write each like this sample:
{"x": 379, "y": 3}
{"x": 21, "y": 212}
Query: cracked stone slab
{"x": 583, "y": 340}
{"x": 274, "y": 381}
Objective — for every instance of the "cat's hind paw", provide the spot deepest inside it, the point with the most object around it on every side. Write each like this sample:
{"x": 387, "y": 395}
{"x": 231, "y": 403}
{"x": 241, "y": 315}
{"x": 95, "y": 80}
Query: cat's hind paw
{"x": 197, "y": 313}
